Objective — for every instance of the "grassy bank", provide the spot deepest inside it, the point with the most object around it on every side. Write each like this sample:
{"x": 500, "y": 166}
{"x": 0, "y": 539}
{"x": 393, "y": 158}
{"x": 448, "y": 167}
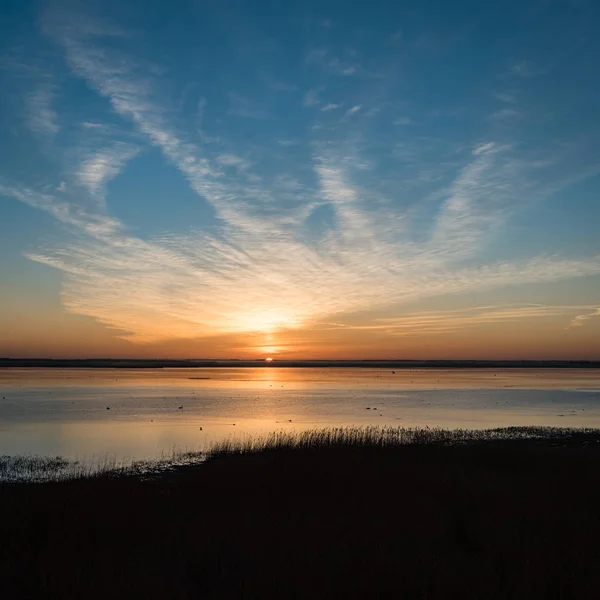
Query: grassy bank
{"x": 510, "y": 513}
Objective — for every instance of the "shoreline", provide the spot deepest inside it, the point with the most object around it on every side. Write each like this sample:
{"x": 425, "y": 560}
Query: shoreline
{"x": 109, "y": 363}
{"x": 41, "y": 469}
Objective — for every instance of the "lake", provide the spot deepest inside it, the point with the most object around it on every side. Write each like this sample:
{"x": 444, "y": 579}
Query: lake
{"x": 145, "y": 413}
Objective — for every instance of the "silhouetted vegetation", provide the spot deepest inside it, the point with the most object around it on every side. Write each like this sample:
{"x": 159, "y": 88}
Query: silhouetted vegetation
{"x": 378, "y": 437}
{"x": 507, "y": 513}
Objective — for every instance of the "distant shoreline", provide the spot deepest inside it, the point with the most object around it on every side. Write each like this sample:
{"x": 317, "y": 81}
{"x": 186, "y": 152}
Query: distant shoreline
{"x": 110, "y": 363}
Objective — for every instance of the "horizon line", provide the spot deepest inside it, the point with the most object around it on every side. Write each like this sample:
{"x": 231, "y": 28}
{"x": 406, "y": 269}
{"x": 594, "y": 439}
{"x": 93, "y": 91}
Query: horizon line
{"x": 306, "y": 360}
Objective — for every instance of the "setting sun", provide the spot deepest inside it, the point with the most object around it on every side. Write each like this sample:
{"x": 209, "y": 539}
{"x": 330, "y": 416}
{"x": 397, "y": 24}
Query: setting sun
{"x": 269, "y": 359}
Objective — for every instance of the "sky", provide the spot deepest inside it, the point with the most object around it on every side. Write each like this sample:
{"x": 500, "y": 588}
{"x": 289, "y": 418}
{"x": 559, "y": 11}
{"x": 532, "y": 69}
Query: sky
{"x": 234, "y": 179}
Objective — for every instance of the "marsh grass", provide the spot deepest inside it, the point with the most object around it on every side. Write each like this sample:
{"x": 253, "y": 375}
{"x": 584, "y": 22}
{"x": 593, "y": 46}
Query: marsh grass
{"x": 390, "y": 437}
{"x": 333, "y": 513}
{"x": 38, "y": 469}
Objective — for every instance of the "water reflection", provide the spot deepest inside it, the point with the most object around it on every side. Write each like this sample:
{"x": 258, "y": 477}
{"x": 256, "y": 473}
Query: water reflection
{"x": 144, "y": 413}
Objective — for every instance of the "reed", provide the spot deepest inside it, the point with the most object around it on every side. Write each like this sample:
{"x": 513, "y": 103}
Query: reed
{"x": 389, "y": 437}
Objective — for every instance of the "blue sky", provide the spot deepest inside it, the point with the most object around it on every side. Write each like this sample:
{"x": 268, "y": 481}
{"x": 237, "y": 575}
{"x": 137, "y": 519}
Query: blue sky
{"x": 347, "y": 173}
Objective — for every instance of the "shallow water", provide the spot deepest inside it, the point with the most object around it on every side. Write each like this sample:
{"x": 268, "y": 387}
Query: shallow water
{"x": 64, "y": 411}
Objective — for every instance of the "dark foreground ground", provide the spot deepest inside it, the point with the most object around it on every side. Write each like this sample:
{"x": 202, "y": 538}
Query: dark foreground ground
{"x": 508, "y": 519}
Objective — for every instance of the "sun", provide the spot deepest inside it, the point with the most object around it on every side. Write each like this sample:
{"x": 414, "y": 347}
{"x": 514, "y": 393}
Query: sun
{"x": 269, "y": 359}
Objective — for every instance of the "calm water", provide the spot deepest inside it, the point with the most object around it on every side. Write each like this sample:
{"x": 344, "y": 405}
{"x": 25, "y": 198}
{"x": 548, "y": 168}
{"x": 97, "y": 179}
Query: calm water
{"x": 64, "y": 411}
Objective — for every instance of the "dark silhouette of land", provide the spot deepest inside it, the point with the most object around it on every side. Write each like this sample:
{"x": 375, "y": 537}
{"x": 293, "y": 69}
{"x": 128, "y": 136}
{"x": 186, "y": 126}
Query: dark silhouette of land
{"x": 492, "y": 519}
{"x": 114, "y": 363}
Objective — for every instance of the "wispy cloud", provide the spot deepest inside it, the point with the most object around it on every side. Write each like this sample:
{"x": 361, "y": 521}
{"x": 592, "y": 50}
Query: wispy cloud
{"x": 329, "y": 107}
{"x": 231, "y": 160}
{"x": 580, "y": 320}
{"x": 42, "y": 118}
{"x": 92, "y": 125}
{"x": 475, "y": 203}
{"x": 311, "y": 98}
{"x": 83, "y": 220}
{"x": 154, "y": 290}
{"x": 99, "y": 167}
{"x": 266, "y": 265}
{"x": 439, "y": 322}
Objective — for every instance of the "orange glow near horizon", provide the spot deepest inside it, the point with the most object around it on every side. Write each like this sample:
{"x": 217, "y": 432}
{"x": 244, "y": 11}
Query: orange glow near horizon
{"x": 288, "y": 212}
{"x": 503, "y": 331}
